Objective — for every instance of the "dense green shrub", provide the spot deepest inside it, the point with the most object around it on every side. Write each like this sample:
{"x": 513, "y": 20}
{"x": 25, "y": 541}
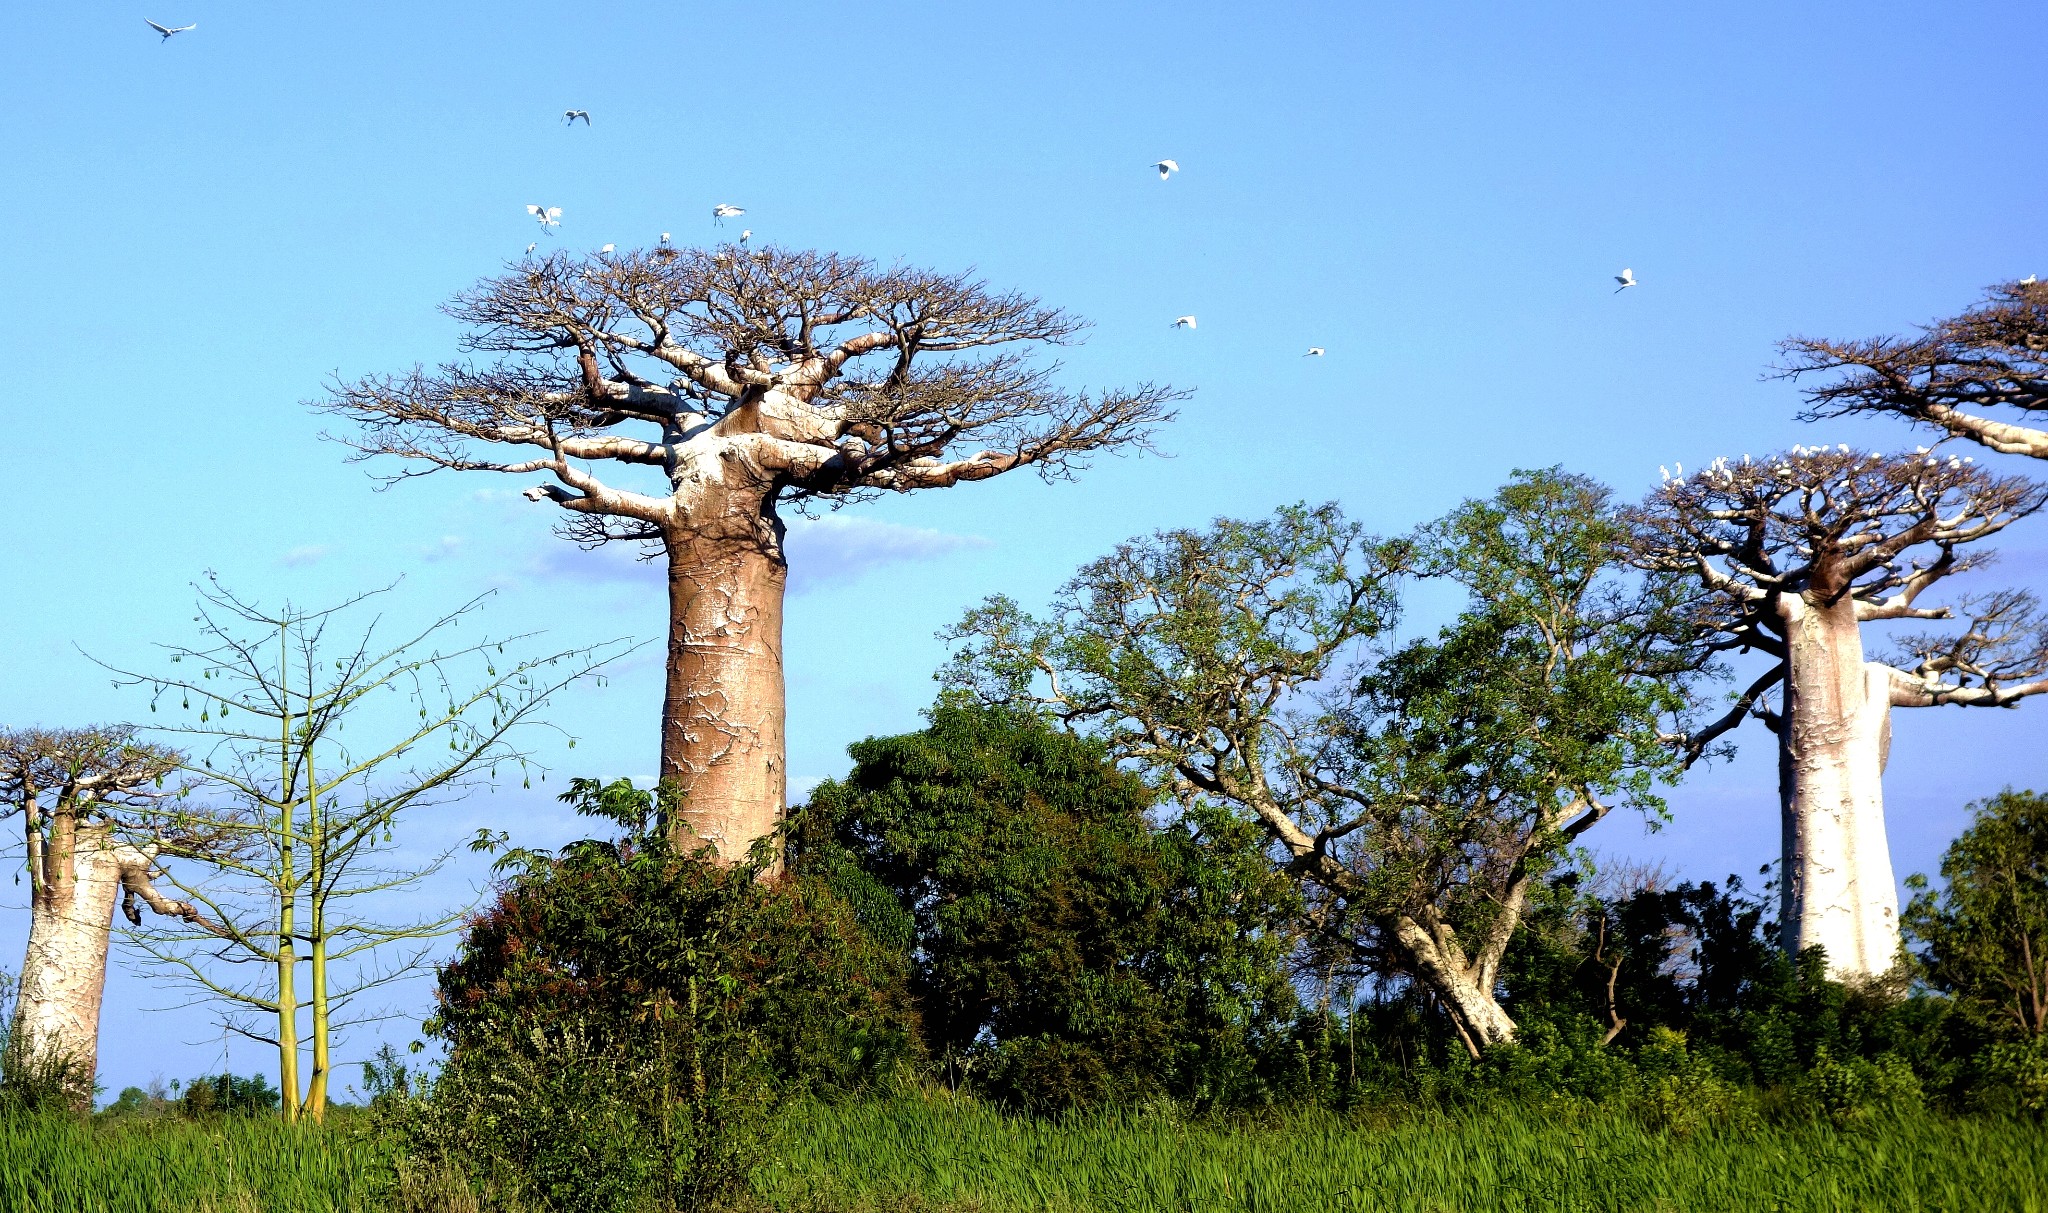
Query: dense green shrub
{"x": 1984, "y": 935}
{"x": 621, "y": 1021}
{"x": 1068, "y": 943}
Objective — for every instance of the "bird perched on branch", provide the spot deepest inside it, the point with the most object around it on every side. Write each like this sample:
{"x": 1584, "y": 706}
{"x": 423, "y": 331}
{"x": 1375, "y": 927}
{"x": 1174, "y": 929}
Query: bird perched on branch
{"x": 549, "y": 216}
{"x": 724, "y": 211}
{"x": 607, "y": 248}
{"x": 1627, "y": 278}
{"x": 569, "y": 117}
{"x": 1167, "y": 168}
{"x": 167, "y": 30}
{"x": 1184, "y": 322}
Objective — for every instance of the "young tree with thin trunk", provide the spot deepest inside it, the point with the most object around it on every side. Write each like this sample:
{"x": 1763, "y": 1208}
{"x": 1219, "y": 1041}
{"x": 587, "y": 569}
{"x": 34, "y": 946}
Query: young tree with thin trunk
{"x": 1418, "y": 792}
{"x": 301, "y": 818}
{"x": 740, "y": 383}
{"x": 1790, "y": 557}
{"x": 1981, "y": 376}
{"x": 74, "y": 789}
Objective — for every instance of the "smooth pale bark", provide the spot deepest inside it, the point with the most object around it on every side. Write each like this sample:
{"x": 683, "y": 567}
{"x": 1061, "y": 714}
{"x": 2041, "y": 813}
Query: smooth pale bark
{"x": 1464, "y": 983}
{"x": 723, "y": 713}
{"x": 64, "y": 973}
{"x": 1837, "y": 888}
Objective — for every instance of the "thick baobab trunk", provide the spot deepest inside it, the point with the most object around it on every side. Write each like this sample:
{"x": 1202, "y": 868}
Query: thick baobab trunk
{"x": 1836, "y": 887}
{"x": 722, "y": 719}
{"x": 64, "y": 974}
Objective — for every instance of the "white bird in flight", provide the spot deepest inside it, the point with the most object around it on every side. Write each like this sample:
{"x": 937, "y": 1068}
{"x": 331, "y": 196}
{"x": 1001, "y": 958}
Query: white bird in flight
{"x": 724, "y": 211}
{"x": 569, "y": 117}
{"x": 1167, "y": 168}
{"x": 1184, "y": 322}
{"x": 607, "y": 248}
{"x": 1627, "y": 278}
{"x": 167, "y": 30}
{"x": 549, "y": 216}
{"x": 1314, "y": 351}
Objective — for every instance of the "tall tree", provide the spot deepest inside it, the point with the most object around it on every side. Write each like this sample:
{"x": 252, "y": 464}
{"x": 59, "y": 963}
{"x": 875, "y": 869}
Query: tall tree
{"x": 1956, "y": 376}
{"x": 1790, "y": 557}
{"x": 744, "y": 383}
{"x": 301, "y": 816}
{"x": 1419, "y": 792}
{"x": 1984, "y": 934}
{"x": 74, "y": 789}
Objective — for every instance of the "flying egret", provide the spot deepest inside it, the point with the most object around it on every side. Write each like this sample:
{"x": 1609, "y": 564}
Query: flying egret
{"x": 607, "y": 248}
{"x": 1184, "y": 322}
{"x": 167, "y": 30}
{"x": 1167, "y": 168}
{"x": 1314, "y": 351}
{"x": 549, "y": 216}
{"x": 1627, "y": 278}
{"x": 569, "y": 117}
{"x": 724, "y": 211}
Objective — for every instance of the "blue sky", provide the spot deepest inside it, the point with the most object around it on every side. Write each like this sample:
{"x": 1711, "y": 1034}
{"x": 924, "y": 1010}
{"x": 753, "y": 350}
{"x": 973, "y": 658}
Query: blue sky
{"x": 200, "y": 232}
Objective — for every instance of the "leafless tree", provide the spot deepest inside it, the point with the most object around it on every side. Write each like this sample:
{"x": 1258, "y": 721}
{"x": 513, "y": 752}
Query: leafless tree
{"x": 744, "y": 382}
{"x": 1953, "y": 376}
{"x": 72, "y": 788}
{"x": 1791, "y": 556}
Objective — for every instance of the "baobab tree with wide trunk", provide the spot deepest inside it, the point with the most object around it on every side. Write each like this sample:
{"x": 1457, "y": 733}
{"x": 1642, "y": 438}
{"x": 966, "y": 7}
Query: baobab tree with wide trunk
{"x": 73, "y": 788}
{"x": 743, "y": 383}
{"x": 1791, "y": 556}
{"x": 1980, "y": 376}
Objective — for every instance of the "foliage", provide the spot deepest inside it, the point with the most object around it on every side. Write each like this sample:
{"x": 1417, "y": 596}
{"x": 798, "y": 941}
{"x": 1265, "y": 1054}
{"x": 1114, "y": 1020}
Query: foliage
{"x": 1419, "y": 793}
{"x": 227, "y": 1094}
{"x": 1065, "y": 949}
{"x": 1984, "y": 935}
{"x": 622, "y": 1020}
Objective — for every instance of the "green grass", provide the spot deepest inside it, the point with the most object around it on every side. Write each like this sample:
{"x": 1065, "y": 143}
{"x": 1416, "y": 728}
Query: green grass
{"x": 166, "y": 1165}
{"x": 922, "y": 1155}
{"x": 912, "y": 1154}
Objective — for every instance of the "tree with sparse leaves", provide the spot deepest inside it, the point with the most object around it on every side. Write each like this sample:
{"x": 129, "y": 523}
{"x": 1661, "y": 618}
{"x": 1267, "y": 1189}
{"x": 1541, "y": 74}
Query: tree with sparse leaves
{"x": 1790, "y": 556}
{"x": 300, "y": 814}
{"x": 1981, "y": 376}
{"x": 742, "y": 383}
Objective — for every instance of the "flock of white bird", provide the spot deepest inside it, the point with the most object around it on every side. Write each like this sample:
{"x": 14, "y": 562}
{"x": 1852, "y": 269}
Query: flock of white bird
{"x": 550, "y": 217}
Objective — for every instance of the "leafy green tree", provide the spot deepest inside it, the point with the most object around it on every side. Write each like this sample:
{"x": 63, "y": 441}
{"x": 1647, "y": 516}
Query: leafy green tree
{"x": 1418, "y": 794}
{"x": 1984, "y": 935}
{"x": 1065, "y": 948}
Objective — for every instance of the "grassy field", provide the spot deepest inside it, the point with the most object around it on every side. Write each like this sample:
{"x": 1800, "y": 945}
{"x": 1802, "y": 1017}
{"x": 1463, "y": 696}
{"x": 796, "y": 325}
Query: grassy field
{"x": 908, "y": 1155}
{"x": 913, "y": 1156}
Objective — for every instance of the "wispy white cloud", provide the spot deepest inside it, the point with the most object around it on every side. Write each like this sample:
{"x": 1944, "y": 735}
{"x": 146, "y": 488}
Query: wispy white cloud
{"x": 823, "y": 552}
{"x": 312, "y": 553}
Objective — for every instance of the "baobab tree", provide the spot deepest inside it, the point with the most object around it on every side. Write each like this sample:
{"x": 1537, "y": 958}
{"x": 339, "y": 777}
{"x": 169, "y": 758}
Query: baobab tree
{"x": 75, "y": 790}
{"x": 1952, "y": 377}
{"x": 1790, "y": 557}
{"x": 745, "y": 383}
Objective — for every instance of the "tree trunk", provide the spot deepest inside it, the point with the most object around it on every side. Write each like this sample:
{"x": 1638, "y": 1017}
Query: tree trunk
{"x": 722, "y": 719}
{"x": 64, "y": 974}
{"x": 1836, "y": 885}
{"x": 1465, "y": 989}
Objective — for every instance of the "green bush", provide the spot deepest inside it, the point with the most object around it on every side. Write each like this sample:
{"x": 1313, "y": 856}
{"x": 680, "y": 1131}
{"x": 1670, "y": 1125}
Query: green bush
{"x": 621, "y": 1022}
{"x": 1066, "y": 946}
